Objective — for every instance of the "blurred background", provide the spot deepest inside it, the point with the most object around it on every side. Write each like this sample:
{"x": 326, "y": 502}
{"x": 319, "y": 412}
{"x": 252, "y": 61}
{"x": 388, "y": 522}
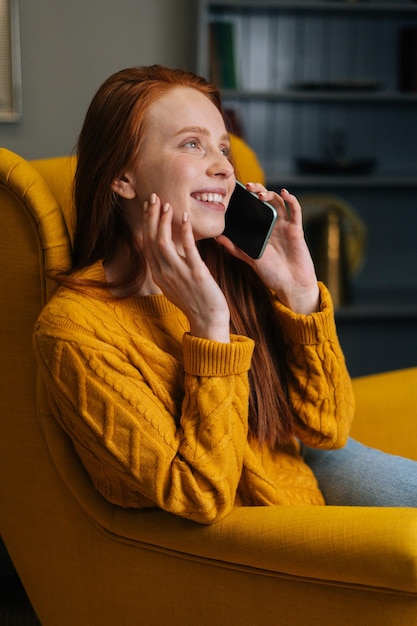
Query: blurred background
{"x": 324, "y": 91}
{"x": 69, "y": 48}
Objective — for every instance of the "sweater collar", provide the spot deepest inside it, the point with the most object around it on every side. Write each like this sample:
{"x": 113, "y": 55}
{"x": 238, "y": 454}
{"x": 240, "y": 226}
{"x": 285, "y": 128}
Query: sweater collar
{"x": 156, "y": 304}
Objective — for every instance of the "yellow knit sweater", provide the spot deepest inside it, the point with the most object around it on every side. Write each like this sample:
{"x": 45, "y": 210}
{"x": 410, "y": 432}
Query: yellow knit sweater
{"x": 160, "y": 417}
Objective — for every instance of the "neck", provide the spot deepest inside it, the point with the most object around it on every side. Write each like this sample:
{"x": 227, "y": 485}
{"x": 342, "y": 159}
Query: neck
{"x": 117, "y": 271}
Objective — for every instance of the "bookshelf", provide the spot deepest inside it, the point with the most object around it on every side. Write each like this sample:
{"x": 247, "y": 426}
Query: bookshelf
{"x": 322, "y": 81}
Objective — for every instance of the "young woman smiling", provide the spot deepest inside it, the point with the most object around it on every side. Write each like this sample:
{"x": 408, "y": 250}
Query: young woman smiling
{"x": 189, "y": 376}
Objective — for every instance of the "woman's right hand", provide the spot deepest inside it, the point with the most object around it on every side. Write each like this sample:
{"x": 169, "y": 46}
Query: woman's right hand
{"x": 182, "y": 275}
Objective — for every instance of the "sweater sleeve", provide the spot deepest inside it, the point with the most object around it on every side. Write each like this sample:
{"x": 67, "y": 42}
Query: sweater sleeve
{"x": 137, "y": 453}
{"x": 320, "y": 387}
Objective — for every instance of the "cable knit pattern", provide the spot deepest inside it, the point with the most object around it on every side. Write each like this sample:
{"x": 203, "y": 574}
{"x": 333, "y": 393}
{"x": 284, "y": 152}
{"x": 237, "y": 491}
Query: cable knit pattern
{"x": 160, "y": 418}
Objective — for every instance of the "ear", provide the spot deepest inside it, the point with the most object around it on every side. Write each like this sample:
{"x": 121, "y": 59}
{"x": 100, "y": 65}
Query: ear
{"x": 124, "y": 187}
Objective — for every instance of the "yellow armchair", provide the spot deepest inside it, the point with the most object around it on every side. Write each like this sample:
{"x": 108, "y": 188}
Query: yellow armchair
{"x": 86, "y": 562}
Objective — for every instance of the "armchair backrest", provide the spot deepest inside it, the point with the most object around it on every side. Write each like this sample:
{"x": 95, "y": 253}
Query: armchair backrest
{"x": 40, "y": 523}
{"x": 33, "y": 238}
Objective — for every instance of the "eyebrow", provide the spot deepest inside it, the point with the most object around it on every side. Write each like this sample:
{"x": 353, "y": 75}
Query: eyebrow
{"x": 199, "y": 130}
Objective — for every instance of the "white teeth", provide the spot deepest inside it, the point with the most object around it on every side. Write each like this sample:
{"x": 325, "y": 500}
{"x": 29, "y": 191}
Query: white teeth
{"x": 209, "y": 197}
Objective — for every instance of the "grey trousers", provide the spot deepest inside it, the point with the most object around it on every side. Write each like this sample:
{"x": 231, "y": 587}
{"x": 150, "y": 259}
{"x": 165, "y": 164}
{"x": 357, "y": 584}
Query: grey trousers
{"x": 360, "y": 476}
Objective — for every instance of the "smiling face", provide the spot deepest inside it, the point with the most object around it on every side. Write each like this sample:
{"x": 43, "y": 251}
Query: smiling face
{"x": 185, "y": 161}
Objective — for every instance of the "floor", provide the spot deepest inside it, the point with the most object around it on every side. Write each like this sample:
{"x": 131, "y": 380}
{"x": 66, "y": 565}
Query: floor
{"x": 15, "y": 608}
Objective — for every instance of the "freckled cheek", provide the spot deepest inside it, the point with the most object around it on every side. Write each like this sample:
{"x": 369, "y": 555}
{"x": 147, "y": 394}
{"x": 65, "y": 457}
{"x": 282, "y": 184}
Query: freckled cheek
{"x": 182, "y": 182}
{"x": 173, "y": 183}
{"x": 178, "y": 197}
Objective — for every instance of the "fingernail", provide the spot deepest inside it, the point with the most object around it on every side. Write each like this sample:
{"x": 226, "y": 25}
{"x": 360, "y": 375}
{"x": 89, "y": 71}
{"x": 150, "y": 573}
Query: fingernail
{"x": 153, "y": 198}
{"x": 165, "y": 208}
{"x": 284, "y": 190}
{"x": 185, "y": 217}
{"x": 145, "y": 206}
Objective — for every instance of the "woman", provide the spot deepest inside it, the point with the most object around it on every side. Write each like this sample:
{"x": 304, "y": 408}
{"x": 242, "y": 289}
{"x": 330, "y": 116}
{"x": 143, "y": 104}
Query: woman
{"x": 186, "y": 373}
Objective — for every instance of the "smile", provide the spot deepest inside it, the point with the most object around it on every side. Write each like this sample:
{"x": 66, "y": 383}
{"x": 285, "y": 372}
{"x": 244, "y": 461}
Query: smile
{"x": 209, "y": 197}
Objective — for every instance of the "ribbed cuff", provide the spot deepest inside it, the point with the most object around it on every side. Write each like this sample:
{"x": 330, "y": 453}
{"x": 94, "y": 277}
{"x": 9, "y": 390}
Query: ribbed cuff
{"x": 309, "y": 329}
{"x": 203, "y": 357}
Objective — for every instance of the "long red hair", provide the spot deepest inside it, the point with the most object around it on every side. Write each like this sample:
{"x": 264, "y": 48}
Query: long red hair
{"x": 109, "y": 143}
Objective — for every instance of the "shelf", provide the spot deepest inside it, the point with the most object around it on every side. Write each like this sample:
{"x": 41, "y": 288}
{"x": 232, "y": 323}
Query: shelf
{"x": 338, "y": 182}
{"x": 374, "y": 313}
{"x": 307, "y": 95}
{"x": 308, "y": 72}
{"x": 307, "y": 5}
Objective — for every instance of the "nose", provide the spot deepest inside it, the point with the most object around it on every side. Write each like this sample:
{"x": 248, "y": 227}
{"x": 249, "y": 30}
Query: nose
{"x": 220, "y": 165}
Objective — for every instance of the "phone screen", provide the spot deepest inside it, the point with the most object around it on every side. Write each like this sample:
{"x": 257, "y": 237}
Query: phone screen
{"x": 249, "y": 221}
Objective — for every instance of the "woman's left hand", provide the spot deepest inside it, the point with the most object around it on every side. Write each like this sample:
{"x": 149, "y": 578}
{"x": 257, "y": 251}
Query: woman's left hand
{"x": 286, "y": 266}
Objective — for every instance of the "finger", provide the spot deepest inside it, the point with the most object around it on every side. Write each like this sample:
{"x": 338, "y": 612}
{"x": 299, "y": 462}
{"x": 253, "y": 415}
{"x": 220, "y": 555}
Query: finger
{"x": 149, "y": 232}
{"x": 191, "y": 254}
{"x": 270, "y": 196}
{"x": 255, "y": 187}
{"x": 151, "y": 214}
{"x": 157, "y": 228}
{"x": 188, "y": 242}
{"x": 164, "y": 236}
{"x": 293, "y": 207}
{"x": 275, "y": 199}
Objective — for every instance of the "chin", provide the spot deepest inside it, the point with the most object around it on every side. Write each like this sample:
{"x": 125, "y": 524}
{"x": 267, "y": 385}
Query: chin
{"x": 211, "y": 233}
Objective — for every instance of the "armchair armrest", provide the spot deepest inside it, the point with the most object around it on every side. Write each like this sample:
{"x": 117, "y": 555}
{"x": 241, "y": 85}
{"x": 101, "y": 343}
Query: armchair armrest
{"x": 369, "y": 547}
{"x": 346, "y": 545}
{"x": 386, "y": 412}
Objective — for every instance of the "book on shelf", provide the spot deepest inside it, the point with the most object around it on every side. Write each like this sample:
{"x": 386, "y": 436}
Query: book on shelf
{"x": 408, "y": 59}
{"x": 222, "y": 55}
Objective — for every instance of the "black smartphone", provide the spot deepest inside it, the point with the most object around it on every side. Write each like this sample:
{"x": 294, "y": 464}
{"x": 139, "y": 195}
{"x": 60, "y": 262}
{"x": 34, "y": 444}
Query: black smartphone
{"x": 249, "y": 221}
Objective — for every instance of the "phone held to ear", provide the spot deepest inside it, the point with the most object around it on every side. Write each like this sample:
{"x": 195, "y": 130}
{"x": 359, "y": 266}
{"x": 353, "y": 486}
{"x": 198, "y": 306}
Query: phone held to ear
{"x": 249, "y": 221}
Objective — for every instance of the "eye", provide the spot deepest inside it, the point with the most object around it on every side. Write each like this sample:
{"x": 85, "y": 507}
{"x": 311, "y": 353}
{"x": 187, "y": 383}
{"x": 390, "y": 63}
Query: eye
{"x": 225, "y": 151}
{"x": 192, "y": 143}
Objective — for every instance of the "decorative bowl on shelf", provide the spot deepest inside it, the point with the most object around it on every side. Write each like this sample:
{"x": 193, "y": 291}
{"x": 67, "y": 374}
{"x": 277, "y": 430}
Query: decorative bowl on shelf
{"x": 335, "y": 166}
{"x": 338, "y": 85}
{"x": 351, "y": 1}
